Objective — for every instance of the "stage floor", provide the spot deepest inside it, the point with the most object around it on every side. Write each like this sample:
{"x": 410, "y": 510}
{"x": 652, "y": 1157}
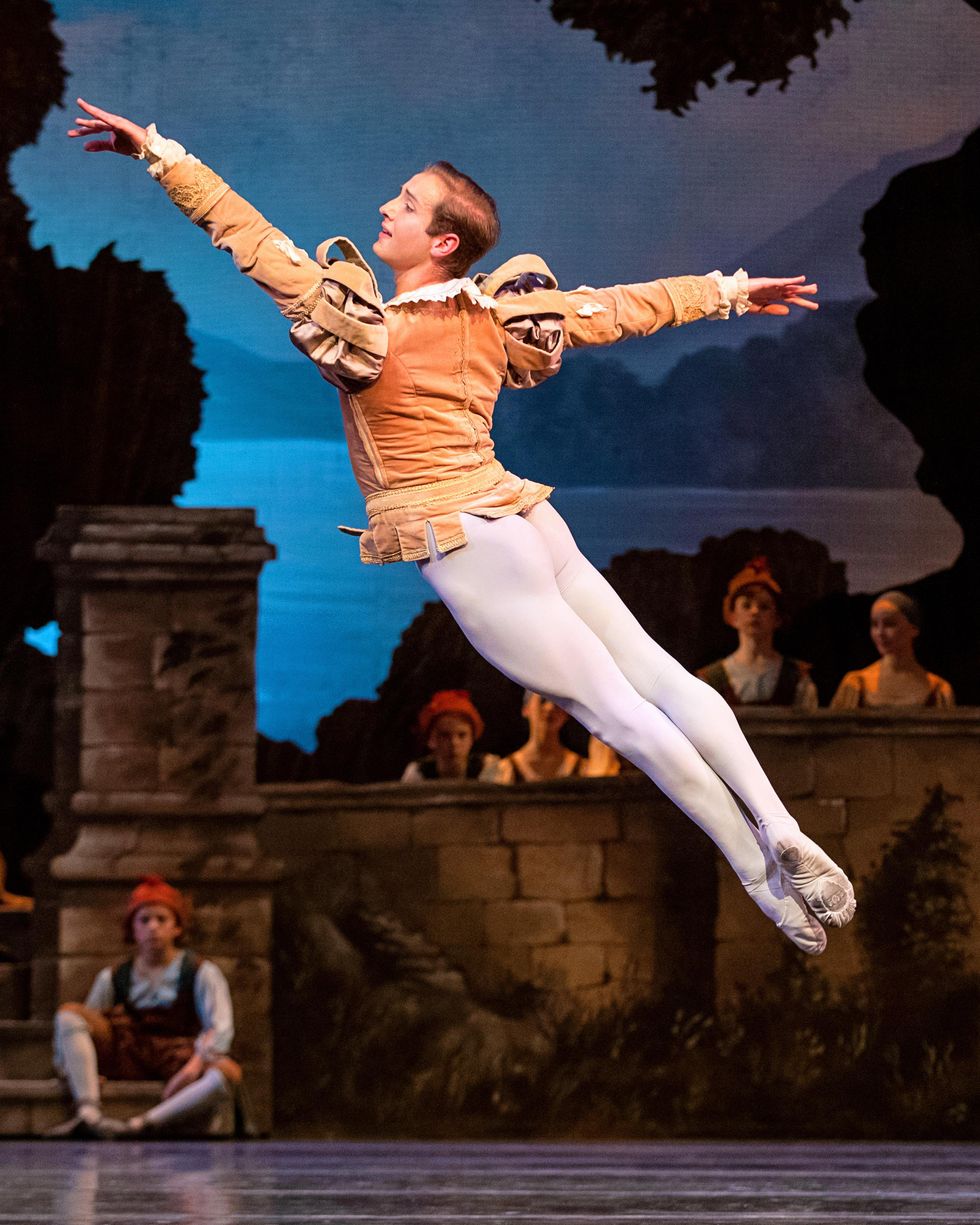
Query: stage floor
{"x": 695, "y": 1183}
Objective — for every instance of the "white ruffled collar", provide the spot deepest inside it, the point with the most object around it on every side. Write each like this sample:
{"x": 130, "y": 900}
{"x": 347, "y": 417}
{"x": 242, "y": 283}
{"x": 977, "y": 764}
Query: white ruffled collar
{"x": 444, "y": 291}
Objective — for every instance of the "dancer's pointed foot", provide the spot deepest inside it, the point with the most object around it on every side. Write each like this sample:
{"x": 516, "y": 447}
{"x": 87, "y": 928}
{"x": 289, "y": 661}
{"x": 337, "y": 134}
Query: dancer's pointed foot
{"x": 777, "y": 899}
{"x": 823, "y": 886}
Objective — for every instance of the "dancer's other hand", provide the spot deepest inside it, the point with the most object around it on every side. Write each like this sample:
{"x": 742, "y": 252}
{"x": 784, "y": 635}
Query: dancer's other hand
{"x": 125, "y": 136}
{"x": 775, "y": 295}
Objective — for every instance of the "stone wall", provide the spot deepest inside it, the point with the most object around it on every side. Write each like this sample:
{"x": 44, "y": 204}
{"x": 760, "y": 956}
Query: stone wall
{"x": 569, "y": 886}
{"x": 599, "y": 889}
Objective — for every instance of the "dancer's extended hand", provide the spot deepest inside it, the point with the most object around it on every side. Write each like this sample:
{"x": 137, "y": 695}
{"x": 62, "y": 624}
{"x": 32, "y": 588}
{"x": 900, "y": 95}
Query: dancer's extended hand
{"x": 124, "y": 136}
{"x": 775, "y": 295}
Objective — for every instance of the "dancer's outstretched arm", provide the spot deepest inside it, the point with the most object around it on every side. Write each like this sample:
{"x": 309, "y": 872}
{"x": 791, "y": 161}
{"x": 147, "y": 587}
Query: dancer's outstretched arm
{"x": 335, "y": 306}
{"x": 603, "y": 316}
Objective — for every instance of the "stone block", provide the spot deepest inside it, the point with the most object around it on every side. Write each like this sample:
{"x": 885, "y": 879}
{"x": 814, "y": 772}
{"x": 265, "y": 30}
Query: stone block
{"x": 923, "y": 761}
{"x": 351, "y": 830}
{"x": 629, "y": 963}
{"x": 202, "y": 610}
{"x": 15, "y": 1119}
{"x": 449, "y": 923}
{"x": 128, "y": 717}
{"x": 206, "y": 768}
{"x": 76, "y": 975}
{"x": 115, "y": 767}
{"x": 455, "y": 827}
{"x": 476, "y": 872}
{"x": 240, "y": 926}
{"x": 187, "y": 661}
{"x": 116, "y": 661}
{"x": 788, "y": 763}
{"x": 565, "y": 870}
{"x": 641, "y": 823}
{"x": 587, "y": 1001}
{"x": 871, "y": 823}
{"x": 738, "y": 916}
{"x": 224, "y": 716}
{"x": 409, "y": 879}
{"x": 820, "y": 818}
{"x": 135, "y": 612}
{"x": 610, "y": 922}
{"x": 522, "y": 922}
{"x": 858, "y": 766}
{"x": 92, "y": 930}
{"x": 631, "y": 869}
{"x": 560, "y": 822}
{"x": 567, "y": 966}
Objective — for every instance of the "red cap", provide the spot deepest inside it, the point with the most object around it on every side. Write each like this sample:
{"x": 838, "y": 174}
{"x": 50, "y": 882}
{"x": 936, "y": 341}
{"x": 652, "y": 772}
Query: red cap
{"x": 153, "y": 890}
{"x": 450, "y": 702}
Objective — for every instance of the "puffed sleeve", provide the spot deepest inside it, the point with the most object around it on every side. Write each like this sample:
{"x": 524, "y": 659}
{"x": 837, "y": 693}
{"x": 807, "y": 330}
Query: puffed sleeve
{"x": 212, "y": 1000}
{"x": 101, "y": 994}
{"x": 334, "y": 305}
{"x": 530, "y": 310}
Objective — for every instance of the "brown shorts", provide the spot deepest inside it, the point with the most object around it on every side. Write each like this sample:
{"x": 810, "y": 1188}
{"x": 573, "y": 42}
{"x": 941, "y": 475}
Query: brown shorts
{"x": 131, "y": 1049}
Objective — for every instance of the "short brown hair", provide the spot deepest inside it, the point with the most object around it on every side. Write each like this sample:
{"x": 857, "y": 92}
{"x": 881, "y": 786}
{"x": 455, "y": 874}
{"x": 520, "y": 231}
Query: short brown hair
{"x": 467, "y": 211}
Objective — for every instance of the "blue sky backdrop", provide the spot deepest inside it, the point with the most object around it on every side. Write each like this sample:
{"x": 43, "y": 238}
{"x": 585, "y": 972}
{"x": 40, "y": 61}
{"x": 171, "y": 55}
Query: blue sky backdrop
{"x": 317, "y": 111}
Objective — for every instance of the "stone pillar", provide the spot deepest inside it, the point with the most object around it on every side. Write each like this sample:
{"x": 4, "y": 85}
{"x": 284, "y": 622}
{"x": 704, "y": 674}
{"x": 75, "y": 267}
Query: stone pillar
{"x": 155, "y": 750}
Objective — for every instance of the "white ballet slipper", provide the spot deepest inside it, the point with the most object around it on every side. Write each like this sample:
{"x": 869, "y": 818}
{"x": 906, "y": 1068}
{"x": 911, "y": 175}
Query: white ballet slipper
{"x": 823, "y": 885}
{"x": 779, "y": 901}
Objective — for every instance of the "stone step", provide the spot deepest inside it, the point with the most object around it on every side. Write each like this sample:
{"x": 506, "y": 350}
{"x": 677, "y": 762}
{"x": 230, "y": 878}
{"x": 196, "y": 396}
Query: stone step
{"x": 25, "y": 1049}
{"x": 15, "y": 991}
{"x": 32, "y": 1107}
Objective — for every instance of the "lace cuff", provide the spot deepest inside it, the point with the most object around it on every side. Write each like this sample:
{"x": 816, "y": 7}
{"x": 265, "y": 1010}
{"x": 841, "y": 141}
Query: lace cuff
{"x": 161, "y": 154}
{"x": 733, "y": 292}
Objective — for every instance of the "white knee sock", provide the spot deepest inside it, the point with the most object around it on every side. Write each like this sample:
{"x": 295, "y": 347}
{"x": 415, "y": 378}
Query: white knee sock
{"x": 199, "y": 1097}
{"x": 75, "y": 1057}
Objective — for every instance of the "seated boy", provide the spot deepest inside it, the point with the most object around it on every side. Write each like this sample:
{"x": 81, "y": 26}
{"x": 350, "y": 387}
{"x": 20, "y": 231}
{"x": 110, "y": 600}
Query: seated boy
{"x": 165, "y": 1014}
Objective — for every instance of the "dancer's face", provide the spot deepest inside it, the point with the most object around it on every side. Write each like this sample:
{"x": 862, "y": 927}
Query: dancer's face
{"x": 754, "y": 614}
{"x": 891, "y": 631}
{"x": 450, "y": 742}
{"x": 155, "y": 929}
{"x": 402, "y": 241}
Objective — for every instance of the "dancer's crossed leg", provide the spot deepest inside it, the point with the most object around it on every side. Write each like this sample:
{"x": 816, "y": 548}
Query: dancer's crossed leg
{"x": 502, "y": 591}
{"x": 701, "y": 713}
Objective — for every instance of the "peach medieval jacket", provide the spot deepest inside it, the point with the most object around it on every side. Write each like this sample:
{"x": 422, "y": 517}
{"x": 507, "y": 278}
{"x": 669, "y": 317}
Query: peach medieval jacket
{"x": 419, "y": 375}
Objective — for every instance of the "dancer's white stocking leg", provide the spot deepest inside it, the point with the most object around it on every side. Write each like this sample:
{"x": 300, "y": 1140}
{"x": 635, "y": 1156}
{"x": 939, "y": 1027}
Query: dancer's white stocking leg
{"x": 502, "y": 592}
{"x": 699, "y": 712}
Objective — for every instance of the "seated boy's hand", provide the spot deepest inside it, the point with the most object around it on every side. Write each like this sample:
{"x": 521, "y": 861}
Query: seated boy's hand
{"x": 192, "y": 1070}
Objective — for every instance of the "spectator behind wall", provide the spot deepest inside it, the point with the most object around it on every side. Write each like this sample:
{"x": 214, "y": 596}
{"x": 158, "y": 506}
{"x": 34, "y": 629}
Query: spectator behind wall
{"x": 756, "y": 674}
{"x": 449, "y": 725}
{"x": 542, "y": 756}
{"x": 897, "y": 678}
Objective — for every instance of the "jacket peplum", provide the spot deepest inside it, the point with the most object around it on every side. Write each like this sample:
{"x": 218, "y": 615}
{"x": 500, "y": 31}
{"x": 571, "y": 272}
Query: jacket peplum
{"x": 419, "y": 375}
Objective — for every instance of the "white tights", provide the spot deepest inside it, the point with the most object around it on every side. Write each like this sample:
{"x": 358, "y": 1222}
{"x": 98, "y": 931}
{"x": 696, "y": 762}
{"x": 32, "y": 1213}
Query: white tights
{"x": 537, "y": 609}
